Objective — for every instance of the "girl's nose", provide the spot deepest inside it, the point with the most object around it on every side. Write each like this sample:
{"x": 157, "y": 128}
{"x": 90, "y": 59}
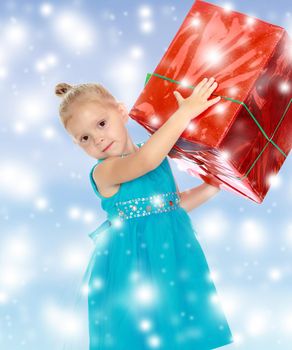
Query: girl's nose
{"x": 99, "y": 139}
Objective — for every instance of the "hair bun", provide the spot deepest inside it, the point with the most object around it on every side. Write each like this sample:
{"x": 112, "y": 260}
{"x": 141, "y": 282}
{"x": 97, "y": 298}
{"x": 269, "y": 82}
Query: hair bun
{"x": 62, "y": 88}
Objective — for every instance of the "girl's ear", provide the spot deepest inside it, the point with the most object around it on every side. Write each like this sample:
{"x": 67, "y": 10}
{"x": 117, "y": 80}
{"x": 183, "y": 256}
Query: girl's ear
{"x": 123, "y": 109}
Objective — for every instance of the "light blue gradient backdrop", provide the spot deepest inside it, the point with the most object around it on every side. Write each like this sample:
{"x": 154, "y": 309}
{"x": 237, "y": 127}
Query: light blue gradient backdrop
{"x": 47, "y": 205}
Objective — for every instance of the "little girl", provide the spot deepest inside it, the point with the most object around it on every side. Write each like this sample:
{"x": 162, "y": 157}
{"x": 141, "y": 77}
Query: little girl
{"x": 149, "y": 284}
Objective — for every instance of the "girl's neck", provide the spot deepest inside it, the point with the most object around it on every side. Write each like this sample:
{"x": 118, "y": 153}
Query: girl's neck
{"x": 135, "y": 149}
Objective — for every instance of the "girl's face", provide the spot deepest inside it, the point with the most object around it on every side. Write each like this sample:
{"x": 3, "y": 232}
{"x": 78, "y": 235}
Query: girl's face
{"x": 94, "y": 127}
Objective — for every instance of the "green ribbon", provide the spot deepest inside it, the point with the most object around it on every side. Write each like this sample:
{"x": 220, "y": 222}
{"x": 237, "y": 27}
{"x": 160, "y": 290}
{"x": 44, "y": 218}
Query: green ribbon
{"x": 245, "y": 106}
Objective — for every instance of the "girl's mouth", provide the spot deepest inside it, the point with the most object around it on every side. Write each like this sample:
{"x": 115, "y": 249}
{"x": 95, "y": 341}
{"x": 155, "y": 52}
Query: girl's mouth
{"x": 108, "y": 146}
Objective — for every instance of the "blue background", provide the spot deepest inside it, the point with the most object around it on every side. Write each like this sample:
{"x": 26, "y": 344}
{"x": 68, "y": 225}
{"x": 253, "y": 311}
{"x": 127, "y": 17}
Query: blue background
{"x": 48, "y": 207}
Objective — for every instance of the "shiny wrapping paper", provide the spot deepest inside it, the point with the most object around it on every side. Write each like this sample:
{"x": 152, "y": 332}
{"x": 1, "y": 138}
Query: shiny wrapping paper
{"x": 241, "y": 142}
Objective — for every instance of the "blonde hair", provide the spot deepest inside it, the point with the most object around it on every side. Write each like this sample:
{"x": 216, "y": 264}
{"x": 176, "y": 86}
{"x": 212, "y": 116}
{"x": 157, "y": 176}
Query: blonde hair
{"x": 82, "y": 93}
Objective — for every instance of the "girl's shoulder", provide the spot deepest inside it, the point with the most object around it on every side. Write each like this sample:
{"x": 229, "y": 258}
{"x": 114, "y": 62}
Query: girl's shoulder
{"x": 110, "y": 192}
{"x": 102, "y": 192}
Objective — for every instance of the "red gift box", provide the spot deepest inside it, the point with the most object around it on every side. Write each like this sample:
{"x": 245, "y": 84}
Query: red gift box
{"x": 242, "y": 141}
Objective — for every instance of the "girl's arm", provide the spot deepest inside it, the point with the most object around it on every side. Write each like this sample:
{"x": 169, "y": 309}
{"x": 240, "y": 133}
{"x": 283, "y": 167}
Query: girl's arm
{"x": 162, "y": 141}
{"x": 116, "y": 170}
{"x": 196, "y": 196}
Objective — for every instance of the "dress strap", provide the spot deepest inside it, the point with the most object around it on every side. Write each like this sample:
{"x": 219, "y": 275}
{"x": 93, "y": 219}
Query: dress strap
{"x": 101, "y": 228}
{"x": 92, "y": 181}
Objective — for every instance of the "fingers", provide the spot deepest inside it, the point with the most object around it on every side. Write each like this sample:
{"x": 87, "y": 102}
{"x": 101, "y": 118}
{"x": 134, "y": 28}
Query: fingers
{"x": 178, "y": 96}
{"x": 206, "y": 86}
{"x": 200, "y": 85}
{"x": 210, "y": 90}
{"x": 210, "y": 103}
{"x": 201, "y": 93}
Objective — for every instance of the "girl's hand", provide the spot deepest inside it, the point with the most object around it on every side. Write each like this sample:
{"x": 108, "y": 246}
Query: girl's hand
{"x": 211, "y": 182}
{"x": 198, "y": 101}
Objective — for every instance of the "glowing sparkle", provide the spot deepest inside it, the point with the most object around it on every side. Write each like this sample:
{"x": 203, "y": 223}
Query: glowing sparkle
{"x": 157, "y": 200}
{"x": 213, "y": 56}
{"x": 284, "y": 87}
{"x": 73, "y": 257}
{"x": 220, "y": 108}
{"x": 225, "y": 155}
{"x": 46, "y": 9}
{"x": 196, "y": 22}
{"x": 134, "y": 276}
{"x": 117, "y": 222}
{"x": 192, "y": 127}
{"x": 51, "y": 59}
{"x": 253, "y": 234}
{"x": 155, "y": 120}
{"x": 250, "y": 21}
{"x": 19, "y": 127}
{"x": 32, "y": 107}
{"x": 74, "y": 30}
{"x": 15, "y": 34}
{"x": 3, "y": 297}
{"x": 3, "y": 72}
{"x": 275, "y": 274}
{"x": 145, "y": 325}
{"x": 274, "y": 180}
{"x": 228, "y": 6}
{"x": 88, "y": 216}
{"x": 40, "y": 66}
{"x": 74, "y": 213}
{"x": 41, "y": 203}
{"x": 10, "y": 184}
{"x": 287, "y": 323}
{"x": 85, "y": 290}
{"x": 10, "y": 276}
{"x": 184, "y": 82}
{"x": 232, "y": 91}
{"x": 257, "y": 323}
{"x": 145, "y": 294}
{"x": 98, "y": 283}
{"x": 49, "y": 133}
{"x": 62, "y": 321}
{"x": 147, "y": 26}
{"x": 145, "y": 11}
{"x": 17, "y": 248}
{"x": 230, "y": 304}
{"x": 214, "y": 229}
{"x": 237, "y": 338}
{"x": 213, "y": 276}
{"x": 214, "y": 299}
{"x": 154, "y": 341}
{"x": 125, "y": 69}
{"x": 136, "y": 52}
{"x": 44, "y": 64}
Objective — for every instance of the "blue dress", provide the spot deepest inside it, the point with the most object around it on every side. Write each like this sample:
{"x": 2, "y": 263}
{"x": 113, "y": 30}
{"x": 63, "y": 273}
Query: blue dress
{"x": 149, "y": 284}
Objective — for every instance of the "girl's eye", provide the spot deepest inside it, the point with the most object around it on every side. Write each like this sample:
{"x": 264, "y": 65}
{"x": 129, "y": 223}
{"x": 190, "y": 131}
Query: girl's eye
{"x": 83, "y": 138}
{"x": 103, "y": 121}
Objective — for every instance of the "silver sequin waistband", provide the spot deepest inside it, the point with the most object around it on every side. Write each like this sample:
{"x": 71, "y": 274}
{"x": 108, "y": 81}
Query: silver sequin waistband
{"x": 139, "y": 207}
{"x": 143, "y": 206}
